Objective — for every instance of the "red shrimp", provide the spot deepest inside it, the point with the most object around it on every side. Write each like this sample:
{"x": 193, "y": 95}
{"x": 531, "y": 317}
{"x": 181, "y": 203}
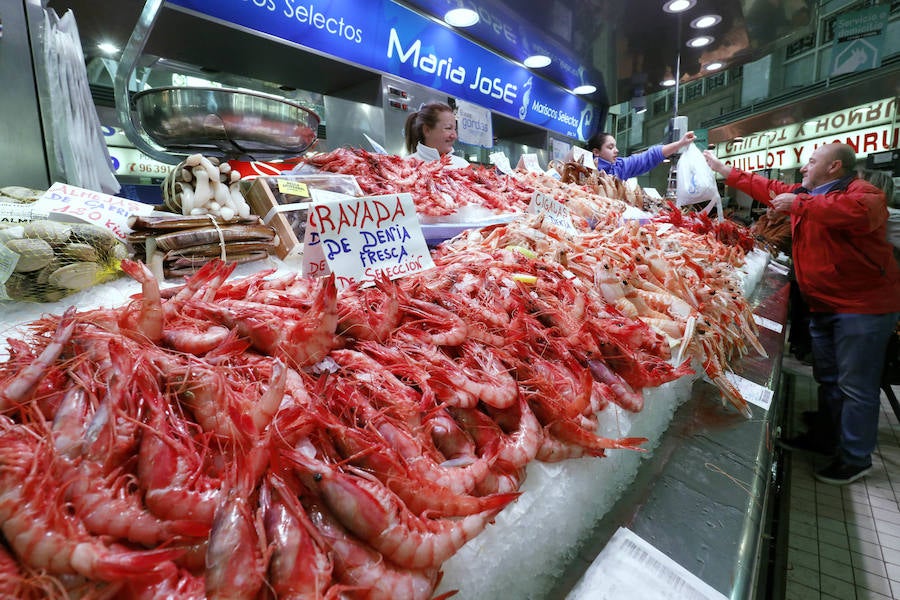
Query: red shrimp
{"x": 429, "y": 322}
{"x": 235, "y": 556}
{"x": 300, "y": 566}
{"x": 43, "y": 536}
{"x": 516, "y": 449}
{"x": 370, "y": 313}
{"x": 16, "y": 390}
{"x": 150, "y": 320}
{"x": 362, "y": 570}
{"x": 377, "y": 516}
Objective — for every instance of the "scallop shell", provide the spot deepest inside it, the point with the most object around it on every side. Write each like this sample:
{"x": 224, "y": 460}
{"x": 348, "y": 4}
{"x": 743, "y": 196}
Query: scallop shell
{"x": 49, "y": 231}
{"x": 77, "y": 276}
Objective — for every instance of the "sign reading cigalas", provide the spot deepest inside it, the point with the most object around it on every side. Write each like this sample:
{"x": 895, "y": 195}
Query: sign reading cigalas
{"x": 556, "y": 213}
{"x": 362, "y": 238}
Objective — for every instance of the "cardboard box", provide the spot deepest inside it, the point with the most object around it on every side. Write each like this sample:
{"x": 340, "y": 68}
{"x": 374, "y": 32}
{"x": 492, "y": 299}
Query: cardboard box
{"x": 283, "y": 202}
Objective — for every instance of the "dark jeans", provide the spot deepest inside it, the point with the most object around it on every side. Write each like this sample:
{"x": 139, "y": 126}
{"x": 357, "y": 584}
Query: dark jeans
{"x": 848, "y": 356}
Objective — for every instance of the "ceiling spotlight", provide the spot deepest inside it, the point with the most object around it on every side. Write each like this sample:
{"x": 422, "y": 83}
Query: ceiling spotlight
{"x": 585, "y": 89}
{"x": 461, "y": 17}
{"x": 706, "y": 21}
{"x": 536, "y": 61}
{"x": 738, "y": 138}
{"x": 668, "y": 79}
{"x": 107, "y": 48}
{"x": 677, "y": 6}
{"x": 700, "y": 41}
{"x": 714, "y": 66}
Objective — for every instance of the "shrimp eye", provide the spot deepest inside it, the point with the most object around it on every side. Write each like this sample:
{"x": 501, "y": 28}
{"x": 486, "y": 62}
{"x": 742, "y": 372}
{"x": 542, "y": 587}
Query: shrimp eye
{"x": 317, "y": 477}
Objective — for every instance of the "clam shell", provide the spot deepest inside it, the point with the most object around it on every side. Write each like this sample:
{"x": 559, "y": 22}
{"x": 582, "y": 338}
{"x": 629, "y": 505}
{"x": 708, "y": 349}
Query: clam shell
{"x": 49, "y": 231}
{"x": 81, "y": 252}
{"x": 77, "y": 276}
{"x": 33, "y": 254}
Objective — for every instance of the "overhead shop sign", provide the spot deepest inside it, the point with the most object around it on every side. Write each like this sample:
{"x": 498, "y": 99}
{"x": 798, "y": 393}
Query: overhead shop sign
{"x": 868, "y": 128}
{"x": 858, "y": 40}
{"x": 384, "y": 36}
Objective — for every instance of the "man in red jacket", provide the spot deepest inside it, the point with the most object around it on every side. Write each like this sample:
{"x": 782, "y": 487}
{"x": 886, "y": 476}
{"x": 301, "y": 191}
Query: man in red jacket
{"x": 848, "y": 276}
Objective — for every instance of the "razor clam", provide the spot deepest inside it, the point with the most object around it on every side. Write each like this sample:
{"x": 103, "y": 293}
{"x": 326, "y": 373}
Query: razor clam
{"x": 177, "y": 222}
{"x": 212, "y": 235}
{"x": 214, "y": 250}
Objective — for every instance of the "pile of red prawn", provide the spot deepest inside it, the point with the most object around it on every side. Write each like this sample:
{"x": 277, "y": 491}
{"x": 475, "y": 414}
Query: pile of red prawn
{"x": 726, "y": 231}
{"x": 436, "y": 190}
{"x": 266, "y": 437}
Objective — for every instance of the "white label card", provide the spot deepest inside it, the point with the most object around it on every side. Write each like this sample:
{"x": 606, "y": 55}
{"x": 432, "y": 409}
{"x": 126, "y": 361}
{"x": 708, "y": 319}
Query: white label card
{"x": 74, "y": 204}
{"x": 629, "y": 567}
{"x": 753, "y": 393}
{"x": 555, "y": 212}
{"x": 529, "y": 162}
{"x": 501, "y": 161}
{"x": 584, "y": 157}
{"x": 362, "y": 238}
{"x": 768, "y": 323}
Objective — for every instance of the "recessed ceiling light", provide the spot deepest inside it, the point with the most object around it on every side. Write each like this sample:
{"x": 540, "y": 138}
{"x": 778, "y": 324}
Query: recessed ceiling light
{"x": 107, "y": 48}
{"x": 536, "y": 61}
{"x": 714, "y": 66}
{"x": 700, "y": 41}
{"x": 706, "y": 21}
{"x": 585, "y": 89}
{"x": 677, "y": 6}
{"x": 461, "y": 17}
{"x": 738, "y": 138}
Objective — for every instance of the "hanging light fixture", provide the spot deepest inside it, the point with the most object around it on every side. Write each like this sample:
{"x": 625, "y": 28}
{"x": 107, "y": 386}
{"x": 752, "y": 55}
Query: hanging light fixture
{"x": 706, "y": 21}
{"x": 536, "y": 61}
{"x": 714, "y": 66}
{"x": 586, "y": 88}
{"x": 700, "y": 41}
{"x": 677, "y": 6}
{"x": 461, "y": 17}
{"x": 668, "y": 79}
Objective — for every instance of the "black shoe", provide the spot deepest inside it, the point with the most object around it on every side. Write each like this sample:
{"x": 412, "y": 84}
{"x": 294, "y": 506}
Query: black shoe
{"x": 840, "y": 473}
{"x": 806, "y": 442}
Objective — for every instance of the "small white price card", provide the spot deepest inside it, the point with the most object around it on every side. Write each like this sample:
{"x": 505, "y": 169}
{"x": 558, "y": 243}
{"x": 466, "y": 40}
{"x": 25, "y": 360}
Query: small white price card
{"x": 501, "y": 161}
{"x": 69, "y": 203}
{"x": 554, "y": 212}
{"x": 529, "y": 162}
{"x": 629, "y": 567}
{"x": 362, "y": 238}
{"x": 582, "y": 156}
{"x": 768, "y": 323}
{"x": 753, "y": 393}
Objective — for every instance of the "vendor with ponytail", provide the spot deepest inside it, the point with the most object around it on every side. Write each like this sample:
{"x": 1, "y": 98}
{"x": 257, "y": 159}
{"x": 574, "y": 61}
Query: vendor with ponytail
{"x": 607, "y": 159}
{"x": 430, "y": 133}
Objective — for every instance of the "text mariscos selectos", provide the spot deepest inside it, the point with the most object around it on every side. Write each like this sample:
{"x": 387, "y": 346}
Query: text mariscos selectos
{"x": 306, "y": 14}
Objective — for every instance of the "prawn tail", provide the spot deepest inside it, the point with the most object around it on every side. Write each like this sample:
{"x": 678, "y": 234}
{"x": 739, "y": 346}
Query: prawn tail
{"x": 117, "y": 566}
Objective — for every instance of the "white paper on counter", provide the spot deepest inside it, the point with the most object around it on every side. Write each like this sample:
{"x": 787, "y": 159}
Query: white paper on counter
{"x": 768, "y": 323}
{"x": 753, "y": 393}
{"x": 629, "y": 567}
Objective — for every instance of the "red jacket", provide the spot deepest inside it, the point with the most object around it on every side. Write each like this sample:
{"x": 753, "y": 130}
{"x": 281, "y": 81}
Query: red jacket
{"x": 842, "y": 260}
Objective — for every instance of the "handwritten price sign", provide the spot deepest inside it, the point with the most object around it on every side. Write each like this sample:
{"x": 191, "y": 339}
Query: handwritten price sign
{"x": 69, "y": 203}
{"x": 556, "y": 213}
{"x": 360, "y": 238}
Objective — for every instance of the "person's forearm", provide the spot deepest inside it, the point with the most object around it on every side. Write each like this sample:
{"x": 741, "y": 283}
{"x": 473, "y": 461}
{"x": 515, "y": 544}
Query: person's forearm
{"x": 670, "y": 149}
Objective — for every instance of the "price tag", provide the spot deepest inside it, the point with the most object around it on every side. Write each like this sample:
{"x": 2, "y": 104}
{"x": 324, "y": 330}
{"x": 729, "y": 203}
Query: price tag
{"x": 629, "y": 567}
{"x": 501, "y": 161}
{"x": 556, "y": 213}
{"x": 529, "y": 162}
{"x": 583, "y": 157}
{"x": 362, "y": 238}
{"x": 753, "y": 393}
{"x": 293, "y": 188}
{"x": 768, "y": 323}
{"x": 65, "y": 202}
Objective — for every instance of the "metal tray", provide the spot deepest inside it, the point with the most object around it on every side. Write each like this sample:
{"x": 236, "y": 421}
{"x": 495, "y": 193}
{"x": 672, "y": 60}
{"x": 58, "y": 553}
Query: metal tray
{"x": 235, "y": 122}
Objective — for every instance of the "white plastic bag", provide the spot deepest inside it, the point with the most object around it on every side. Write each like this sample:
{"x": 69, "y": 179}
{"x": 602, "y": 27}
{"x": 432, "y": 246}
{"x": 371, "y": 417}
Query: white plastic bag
{"x": 696, "y": 181}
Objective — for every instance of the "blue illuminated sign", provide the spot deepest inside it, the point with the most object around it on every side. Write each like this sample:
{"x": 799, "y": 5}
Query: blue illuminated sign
{"x": 387, "y": 37}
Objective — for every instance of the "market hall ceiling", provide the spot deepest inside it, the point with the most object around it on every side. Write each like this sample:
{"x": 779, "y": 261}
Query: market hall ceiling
{"x": 641, "y": 39}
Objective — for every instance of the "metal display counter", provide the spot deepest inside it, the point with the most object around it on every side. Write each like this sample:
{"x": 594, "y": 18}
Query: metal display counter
{"x": 706, "y": 497}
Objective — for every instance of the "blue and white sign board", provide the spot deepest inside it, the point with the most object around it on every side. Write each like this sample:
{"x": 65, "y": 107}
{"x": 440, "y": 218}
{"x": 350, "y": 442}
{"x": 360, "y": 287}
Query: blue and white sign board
{"x": 859, "y": 39}
{"x": 390, "y": 38}
{"x": 473, "y": 125}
